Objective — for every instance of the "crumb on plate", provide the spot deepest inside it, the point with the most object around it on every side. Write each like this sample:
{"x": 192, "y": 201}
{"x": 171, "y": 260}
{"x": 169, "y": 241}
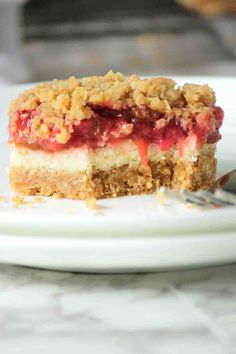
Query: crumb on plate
{"x": 3, "y": 199}
{"x": 91, "y": 203}
{"x": 38, "y": 199}
{"x": 161, "y": 196}
{"x": 18, "y": 200}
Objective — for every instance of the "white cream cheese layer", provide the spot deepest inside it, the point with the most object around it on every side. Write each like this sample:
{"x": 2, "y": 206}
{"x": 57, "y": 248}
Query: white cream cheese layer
{"x": 84, "y": 159}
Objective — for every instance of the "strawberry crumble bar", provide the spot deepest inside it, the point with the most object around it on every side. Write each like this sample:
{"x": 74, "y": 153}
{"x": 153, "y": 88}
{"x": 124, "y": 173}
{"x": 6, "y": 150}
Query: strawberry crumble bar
{"x": 106, "y": 136}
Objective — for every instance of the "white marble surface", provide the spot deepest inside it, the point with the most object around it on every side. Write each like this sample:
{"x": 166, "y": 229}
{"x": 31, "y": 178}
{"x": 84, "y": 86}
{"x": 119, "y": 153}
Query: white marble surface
{"x": 192, "y": 311}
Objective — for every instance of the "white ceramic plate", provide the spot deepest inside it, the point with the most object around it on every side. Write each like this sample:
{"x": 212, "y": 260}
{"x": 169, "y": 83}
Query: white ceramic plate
{"x": 123, "y": 234}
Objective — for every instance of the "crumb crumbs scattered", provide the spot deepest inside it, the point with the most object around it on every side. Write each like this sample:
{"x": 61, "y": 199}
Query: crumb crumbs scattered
{"x": 161, "y": 196}
{"x": 190, "y": 205}
{"x": 38, "y": 199}
{"x": 56, "y": 196}
{"x": 71, "y": 211}
{"x": 196, "y": 206}
{"x": 91, "y": 203}
{"x": 3, "y": 199}
{"x": 30, "y": 204}
{"x": 18, "y": 200}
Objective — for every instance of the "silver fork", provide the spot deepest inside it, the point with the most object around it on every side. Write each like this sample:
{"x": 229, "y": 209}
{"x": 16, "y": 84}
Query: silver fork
{"x": 222, "y": 194}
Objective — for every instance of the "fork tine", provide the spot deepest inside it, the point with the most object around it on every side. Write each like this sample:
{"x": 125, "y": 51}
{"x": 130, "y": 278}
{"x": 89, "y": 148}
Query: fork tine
{"x": 192, "y": 197}
{"x": 203, "y": 198}
{"x": 207, "y": 198}
{"x": 212, "y": 199}
{"x": 182, "y": 196}
{"x": 228, "y": 197}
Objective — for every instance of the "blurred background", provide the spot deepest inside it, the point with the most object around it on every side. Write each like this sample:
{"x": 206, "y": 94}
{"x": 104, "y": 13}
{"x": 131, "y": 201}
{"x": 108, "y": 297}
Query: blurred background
{"x": 46, "y": 39}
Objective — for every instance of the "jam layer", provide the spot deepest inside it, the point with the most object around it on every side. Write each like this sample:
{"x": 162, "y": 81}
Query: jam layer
{"x": 109, "y": 126}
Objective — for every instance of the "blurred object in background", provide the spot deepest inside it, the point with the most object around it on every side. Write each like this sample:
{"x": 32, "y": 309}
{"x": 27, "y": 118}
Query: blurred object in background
{"x": 211, "y": 7}
{"x": 149, "y": 37}
{"x": 12, "y": 65}
{"x": 222, "y": 17}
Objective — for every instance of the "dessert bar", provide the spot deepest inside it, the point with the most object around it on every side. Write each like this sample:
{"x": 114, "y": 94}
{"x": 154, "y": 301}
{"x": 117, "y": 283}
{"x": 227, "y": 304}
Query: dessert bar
{"x": 107, "y": 136}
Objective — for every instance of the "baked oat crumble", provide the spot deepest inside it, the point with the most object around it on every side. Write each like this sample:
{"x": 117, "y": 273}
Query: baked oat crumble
{"x": 63, "y": 103}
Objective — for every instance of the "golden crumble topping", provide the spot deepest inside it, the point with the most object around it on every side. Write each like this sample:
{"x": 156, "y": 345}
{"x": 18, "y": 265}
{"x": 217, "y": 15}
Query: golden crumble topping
{"x": 63, "y": 103}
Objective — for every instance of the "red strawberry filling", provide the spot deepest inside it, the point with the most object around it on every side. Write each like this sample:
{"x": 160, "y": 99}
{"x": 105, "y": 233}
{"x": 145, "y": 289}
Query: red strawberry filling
{"x": 109, "y": 126}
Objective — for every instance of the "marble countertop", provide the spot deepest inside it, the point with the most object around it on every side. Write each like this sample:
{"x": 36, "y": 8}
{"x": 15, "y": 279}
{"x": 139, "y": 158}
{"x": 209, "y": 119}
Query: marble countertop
{"x": 178, "y": 312}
